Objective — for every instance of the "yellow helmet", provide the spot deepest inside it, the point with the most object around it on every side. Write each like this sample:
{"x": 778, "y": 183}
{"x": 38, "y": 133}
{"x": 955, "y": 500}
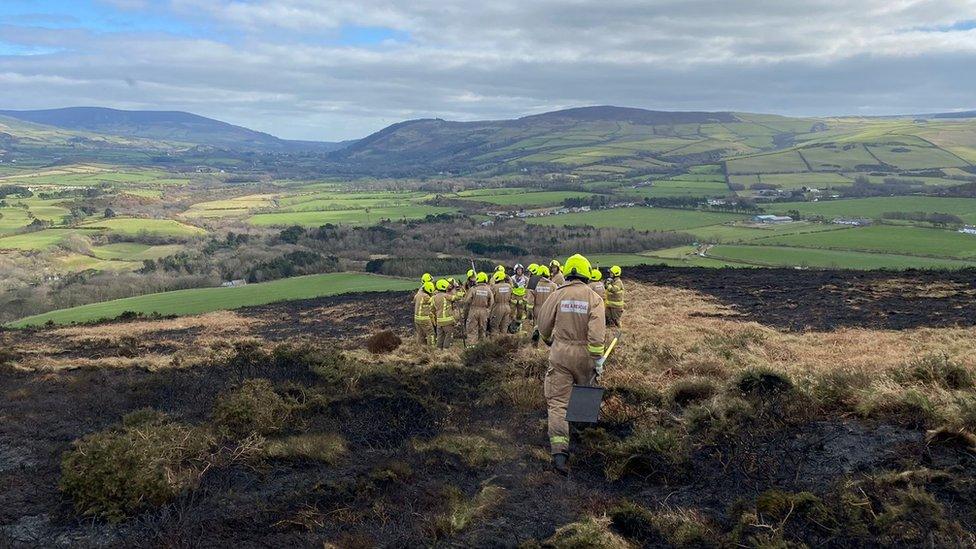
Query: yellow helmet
{"x": 426, "y": 278}
{"x": 555, "y": 263}
{"x": 429, "y": 287}
{"x": 443, "y": 284}
{"x": 615, "y": 270}
{"x": 519, "y": 291}
{"x": 533, "y": 268}
{"x": 544, "y": 271}
{"x": 500, "y": 269}
{"x": 471, "y": 273}
{"x": 577, "y": 266}
{"x": 596, "y": 275}
{"x": 498, "y": 276}
{"x": 482, "y": 277}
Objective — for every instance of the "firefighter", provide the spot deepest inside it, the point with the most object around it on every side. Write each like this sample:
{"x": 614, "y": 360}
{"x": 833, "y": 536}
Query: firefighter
{"x": 596, "y": 283}
{"x": 556, "y": 273}
{"x": 479, "y": 301}
{"x": 444, "y": 313}
{"x": 519, "y": 278}
{"x": 501, "y": 311}
{"x": 423, "y": 314}
{"x": 457, "y": 301}
{"x": 533, "y": 276}
{"x": 471, "y": 280}
{"x": 615, "y": 297}
{"x": 543, "y": 289}
{"x": 519, "y": 310}
{"x": 573, "y": 323}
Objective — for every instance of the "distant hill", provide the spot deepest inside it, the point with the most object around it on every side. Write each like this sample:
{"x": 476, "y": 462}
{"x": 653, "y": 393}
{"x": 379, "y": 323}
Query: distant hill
{"x": 962, "y": 114}
{"x": 171, "y": 126}
{"x": 601, "y": 139}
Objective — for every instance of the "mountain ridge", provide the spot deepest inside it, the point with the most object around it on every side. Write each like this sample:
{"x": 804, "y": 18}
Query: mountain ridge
{"x": 174, "y": 126}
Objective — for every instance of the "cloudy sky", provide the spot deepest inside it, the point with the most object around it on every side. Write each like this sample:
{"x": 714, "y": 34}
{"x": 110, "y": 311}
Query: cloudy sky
{"x": 338, "y": 69}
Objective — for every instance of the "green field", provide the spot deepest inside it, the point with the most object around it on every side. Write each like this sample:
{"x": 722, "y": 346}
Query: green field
{"x": 916, "y": 158}
{"x": 203, "y": 300}
{"x": 836, "y": 158}
{"x": 778, "y": 256}
{"x": 886, "y": 239}
{"x": 729, "y": 233}
{"x": 782, "y": 162}
{"x": 13, "y": 218}
{"x": 132, "y": 226}
{"x": 230, "y": 207}
{"x": 39, "y": 240}
{"x": 641, "y": 218}
{"x": 346, "y": 217}
{"x": 872, "y": 208}
{"x": 541, "y": 198}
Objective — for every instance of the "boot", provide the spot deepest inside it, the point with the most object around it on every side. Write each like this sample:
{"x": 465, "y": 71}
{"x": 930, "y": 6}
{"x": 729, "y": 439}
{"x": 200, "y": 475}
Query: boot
{"x": 560, "y": 464}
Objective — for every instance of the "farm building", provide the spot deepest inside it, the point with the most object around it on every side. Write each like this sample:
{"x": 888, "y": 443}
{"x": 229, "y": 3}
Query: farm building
{"x": 772, "y": 219}
{"x": 852, "y": 221}
{"x": 968, "y": 229}
{"x": 234, "y": 283}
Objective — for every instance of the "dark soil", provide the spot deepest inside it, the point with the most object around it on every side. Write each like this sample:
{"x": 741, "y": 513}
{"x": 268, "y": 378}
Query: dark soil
{"x": 386, "y": 493}
{"x": 342, "y": 316}
{"x": 800, "y": 300}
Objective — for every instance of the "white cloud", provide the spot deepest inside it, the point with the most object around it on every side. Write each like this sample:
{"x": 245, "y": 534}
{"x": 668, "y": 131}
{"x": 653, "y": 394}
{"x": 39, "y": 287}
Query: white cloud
{"x": 278, "y": 65}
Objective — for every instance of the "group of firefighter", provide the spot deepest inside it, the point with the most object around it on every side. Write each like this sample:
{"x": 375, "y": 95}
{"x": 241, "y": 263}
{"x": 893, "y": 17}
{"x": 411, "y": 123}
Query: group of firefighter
{"x": 568, "y": 306}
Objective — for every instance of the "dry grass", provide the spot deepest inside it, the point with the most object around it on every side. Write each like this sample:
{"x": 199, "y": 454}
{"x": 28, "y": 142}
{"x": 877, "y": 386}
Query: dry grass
{"x": 667, "y": 339}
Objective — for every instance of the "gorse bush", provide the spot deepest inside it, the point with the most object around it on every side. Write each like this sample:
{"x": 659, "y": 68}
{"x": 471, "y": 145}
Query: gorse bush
{"x": 147, "y": 461}
{"x": 254, "y": 407}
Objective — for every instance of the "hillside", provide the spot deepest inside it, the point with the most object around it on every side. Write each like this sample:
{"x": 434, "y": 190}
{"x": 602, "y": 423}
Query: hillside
{"x": 730, "y": 419}
{"x": 167, "y": 126}
{"x": 591, "y": 140}
{"x": 622, "y": 143}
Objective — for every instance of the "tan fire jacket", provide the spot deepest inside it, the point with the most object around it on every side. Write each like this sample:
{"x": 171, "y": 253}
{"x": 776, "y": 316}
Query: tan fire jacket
{"x": 423, "y": 307}
{"x": 598, "y": 287}
{"x": 443, "y": 309}
{"x": 574, "y": 315}
{"x": 502, "y": 292}
{"x": 615, "y": 293}
{"x": 538, "y": 296}
{"x": 480, "y": 297}
{"x": 558, "y": 279}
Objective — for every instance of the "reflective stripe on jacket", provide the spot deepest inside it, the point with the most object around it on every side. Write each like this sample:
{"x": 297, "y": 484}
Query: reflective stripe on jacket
{"x": 615, "y": 293}
{"x": 443, "y": 311}
{"x": 423, "y": 307}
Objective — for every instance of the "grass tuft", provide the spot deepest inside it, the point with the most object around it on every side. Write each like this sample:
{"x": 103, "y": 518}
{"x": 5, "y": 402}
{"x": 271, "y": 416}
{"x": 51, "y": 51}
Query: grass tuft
{"x": 327, "y": 448}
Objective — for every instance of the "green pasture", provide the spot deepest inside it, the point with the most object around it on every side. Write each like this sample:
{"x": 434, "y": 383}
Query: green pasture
{"x": 346, "y": 217}
{"x": 873, "y": 208}
{"x": 230, "y": 207}
{"x": 886, "y": 239}
{"x": 641, "y": 218}
{"x": 13, "y": 218}
{"x": 779, "y": 256}
{"x": 740, "y": 232}
{"x": 837, "y": 157}
{"x": 132, "y": 251}
{"x": 916, "y": 158}
{"x": 809, "y": 179}
{"x": 38, "y": 240}
{"x": 781, "y": 162}
{"x": 132, "y": 226}
{"x": 541, "y": 198}
{"x": 203, "y": 300}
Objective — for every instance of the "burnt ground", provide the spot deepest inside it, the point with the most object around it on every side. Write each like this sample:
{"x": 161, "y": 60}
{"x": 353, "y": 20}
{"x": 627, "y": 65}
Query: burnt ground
{"x": 388, "y": 494}
{"x": 800, "y": 300}
{"x": 358, "y": 503}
